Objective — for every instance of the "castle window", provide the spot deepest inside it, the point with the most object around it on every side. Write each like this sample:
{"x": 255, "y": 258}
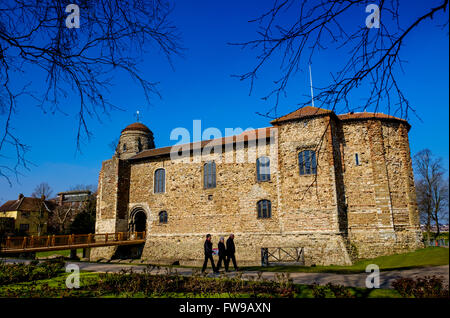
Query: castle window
{"x": 356, "y": 159}
{"x": 163, "y": 217}
{"x": 263, "y": 169}
{"x": 264, "y": 209}
{"x": 160, "y": 180}
{"x": 307, "y": 162}
{"x": 209, "y": 175}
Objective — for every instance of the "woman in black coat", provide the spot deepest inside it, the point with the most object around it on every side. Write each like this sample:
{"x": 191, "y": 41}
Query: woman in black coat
{"x": 222, "y": 252}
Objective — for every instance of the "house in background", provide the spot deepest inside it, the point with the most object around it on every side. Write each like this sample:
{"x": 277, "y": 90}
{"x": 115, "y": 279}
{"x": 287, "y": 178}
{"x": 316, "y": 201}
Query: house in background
{"x": 30, "y": 215}
{"x": 68, "y": 205}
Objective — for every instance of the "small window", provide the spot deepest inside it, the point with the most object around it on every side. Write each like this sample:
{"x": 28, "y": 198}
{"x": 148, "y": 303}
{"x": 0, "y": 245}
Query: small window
{"x": 24, "y": 227}
{"x": 124, "y": 147}
{"x": 264, "y": 209}
{"x": 209, "y": 175}
{"x": 163, "y": 217}
{"x": 263, "y": 169}
{"x": 356, "y": 159}
{"x": 139, "y": 145}
{"x": 160, "y": 181}
{"x": 307, "y": 162}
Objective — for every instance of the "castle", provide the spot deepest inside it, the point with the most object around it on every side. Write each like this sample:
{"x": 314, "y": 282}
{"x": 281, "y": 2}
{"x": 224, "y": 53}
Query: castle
{"x": 339, "y": 186}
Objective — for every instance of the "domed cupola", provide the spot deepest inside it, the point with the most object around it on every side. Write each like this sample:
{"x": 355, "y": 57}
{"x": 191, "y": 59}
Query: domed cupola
{"x": 134, "y": 138}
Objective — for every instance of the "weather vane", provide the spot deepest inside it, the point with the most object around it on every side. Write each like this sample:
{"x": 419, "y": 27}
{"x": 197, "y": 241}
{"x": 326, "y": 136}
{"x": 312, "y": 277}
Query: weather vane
{"x": 137, "y": 116}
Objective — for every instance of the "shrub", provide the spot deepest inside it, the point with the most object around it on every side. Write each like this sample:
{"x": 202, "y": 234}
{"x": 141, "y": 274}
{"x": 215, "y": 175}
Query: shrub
{"x": 426, "y": 287}
{"x": 16, "y": 273}
{"x": 331, "y": 291}
{"x": 170, "y": 282}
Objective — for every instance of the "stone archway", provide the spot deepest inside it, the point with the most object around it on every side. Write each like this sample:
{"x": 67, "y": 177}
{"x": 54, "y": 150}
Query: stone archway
{"x": 138, "y": 221}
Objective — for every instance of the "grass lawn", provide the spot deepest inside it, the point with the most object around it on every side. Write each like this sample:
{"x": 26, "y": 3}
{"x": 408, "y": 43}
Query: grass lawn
{"x": 87, "y": 279}
{"x": 65, "y": 253}
{"x": 430, "y": 256}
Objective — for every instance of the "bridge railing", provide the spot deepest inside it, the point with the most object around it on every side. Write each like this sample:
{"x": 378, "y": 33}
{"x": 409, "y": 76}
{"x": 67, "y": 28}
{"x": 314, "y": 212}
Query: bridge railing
{"x": 68, "y": 240}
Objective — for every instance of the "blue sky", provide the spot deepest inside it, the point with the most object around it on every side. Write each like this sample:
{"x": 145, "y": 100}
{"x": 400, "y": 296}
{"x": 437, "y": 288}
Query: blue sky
{"x": 200, "y": 87}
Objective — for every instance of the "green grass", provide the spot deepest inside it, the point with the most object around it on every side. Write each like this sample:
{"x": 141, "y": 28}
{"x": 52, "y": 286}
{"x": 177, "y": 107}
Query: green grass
{"x": 65, "y": 253}
{"x": 89, "y": 278}
{"x": 430, "y": 256}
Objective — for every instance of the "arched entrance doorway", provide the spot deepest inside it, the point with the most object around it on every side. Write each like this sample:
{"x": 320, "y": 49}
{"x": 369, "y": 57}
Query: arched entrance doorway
{"x": 138, "y": 221}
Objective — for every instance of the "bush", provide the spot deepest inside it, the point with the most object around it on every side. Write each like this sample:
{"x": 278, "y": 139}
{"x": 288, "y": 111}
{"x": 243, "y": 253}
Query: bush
{"x": 149, "y": 284}
{"x": 331, "y": 291}
{"x": 16, "y": 273}
{"x": 426, "y": 287}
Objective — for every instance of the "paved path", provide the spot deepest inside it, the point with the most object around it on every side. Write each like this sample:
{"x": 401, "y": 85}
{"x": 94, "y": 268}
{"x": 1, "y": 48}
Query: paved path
{"x": 355, "y": 280}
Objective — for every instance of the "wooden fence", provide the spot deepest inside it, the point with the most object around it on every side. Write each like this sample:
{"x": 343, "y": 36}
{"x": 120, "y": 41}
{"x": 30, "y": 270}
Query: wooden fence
{"x": 70, "y": 241}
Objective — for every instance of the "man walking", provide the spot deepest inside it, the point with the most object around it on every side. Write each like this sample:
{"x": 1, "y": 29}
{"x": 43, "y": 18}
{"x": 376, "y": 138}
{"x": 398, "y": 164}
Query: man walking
{"x": 230, "y": 253}
{"x": 222, "y": 253}
{"x": 208, "y": 254}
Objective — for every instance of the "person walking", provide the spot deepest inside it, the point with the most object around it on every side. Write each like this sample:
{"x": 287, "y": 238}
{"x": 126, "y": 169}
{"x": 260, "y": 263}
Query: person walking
{"x": 222, "y": 253}
{"x": 230, "y": 253}
{"x": 208, "y": 254}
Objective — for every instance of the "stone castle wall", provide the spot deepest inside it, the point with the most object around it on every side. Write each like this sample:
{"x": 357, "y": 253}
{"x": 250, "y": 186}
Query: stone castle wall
{"x": 343, "y": 212}
{"x": 380, "y": 190}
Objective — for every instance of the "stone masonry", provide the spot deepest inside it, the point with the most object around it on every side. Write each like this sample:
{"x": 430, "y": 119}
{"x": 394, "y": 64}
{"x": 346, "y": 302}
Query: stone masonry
{"x": 360, "y": 203}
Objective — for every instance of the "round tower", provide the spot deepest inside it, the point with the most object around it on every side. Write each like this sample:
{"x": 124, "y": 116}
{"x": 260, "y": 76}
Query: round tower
{"x": 134, "y": 138}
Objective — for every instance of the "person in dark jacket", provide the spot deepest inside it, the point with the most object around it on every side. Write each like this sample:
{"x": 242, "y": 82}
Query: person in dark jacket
{"x": 208, "y": 253}
{"x": 222, "y": 253}
{"x": 230, "y": 253}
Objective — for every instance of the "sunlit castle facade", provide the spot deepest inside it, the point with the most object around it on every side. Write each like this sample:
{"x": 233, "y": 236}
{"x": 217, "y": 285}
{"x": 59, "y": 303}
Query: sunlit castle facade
{"x": 339, "y": 186}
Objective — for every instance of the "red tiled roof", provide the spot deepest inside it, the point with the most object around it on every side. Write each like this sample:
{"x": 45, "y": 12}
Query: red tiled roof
{"x": 304, "y": 112}
{"x": 309, "y": 111}
{"x": 251, "y": 135}
{"x": 26, "y": 204}
{"x": 136, "y": 126}
{"x": 366, "y": 115}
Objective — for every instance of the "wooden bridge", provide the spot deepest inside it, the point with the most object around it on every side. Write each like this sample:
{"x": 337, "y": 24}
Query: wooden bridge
{"x": 32, "y": 244}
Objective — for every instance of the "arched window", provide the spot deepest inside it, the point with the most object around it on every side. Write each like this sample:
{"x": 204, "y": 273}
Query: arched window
{"x": 163, "y": 217}
{"x": 160, "y": 180}
{"x": 307, "y": 162}
{"x": 124, "y": 147}
{"x": 139, "y": 145}
{"x": 209, "y": 175}
{"x": 264, "y": 209}
{"x": 263, "y": 169}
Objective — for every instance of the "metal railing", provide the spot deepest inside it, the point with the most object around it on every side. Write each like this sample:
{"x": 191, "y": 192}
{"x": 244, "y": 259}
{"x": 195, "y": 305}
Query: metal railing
{"x": 440, "y": 242}
{"x": 282, "y": 255}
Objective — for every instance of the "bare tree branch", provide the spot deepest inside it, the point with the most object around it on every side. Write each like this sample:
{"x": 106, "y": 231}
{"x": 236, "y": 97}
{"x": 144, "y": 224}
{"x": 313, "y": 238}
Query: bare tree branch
{"x": 373, "y": 54}
{"x": 113, "y": 37}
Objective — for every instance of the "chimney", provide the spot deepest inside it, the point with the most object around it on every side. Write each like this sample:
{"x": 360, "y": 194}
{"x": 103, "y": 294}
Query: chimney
{"x": 20, "y": 196}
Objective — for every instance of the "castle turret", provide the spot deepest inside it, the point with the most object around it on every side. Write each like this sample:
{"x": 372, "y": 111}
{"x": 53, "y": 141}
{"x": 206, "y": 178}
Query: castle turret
{"x": 134, "y": 138}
